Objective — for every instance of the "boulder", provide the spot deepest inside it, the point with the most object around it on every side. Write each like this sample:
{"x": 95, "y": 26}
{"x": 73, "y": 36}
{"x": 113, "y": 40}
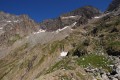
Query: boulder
{"x": 104, "y": 77}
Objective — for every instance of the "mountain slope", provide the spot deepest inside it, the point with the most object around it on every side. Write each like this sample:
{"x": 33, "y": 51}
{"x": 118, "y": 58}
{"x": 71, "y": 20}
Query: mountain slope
{"x": 77, "y": 50}
{"x": 35, "y": 51}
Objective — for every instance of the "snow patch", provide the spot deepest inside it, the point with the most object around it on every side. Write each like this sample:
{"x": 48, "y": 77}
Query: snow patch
{"x": 68, "y": 17}
{"x": 1, "y": 28}
{"x": 16, "y": 21}
{"x": 73, "y": 24}
{"x": 40, "y": 31}
{"x": 66, "y": 27}
{"x": 63, "y": 54}
{"x": 96, "y": 17}
{"x": 27, "y": 37}
{"x": 8, "y": 21}
{"x": 61, "y": 29}
{"x": 34, "y": 32}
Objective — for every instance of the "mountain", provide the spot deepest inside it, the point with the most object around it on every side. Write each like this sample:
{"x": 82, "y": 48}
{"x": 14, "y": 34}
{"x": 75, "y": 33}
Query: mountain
{"x": 80, "y": 45}
{"x": 14, "y": 27}
{"x": 80, "y": 16}
{"x": 115, "y": 7}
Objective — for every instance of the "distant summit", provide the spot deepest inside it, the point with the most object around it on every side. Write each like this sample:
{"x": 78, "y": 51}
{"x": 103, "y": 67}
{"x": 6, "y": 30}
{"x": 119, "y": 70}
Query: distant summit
{"x": 114, "y": 7}
{"x": 88, "y": 11}
{"x": 80, "y": 15}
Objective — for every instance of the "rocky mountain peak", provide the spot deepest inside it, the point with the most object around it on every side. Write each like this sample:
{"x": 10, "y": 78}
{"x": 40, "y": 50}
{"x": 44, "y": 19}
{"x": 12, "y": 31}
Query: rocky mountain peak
{"x": 80, "y": 15}
{"x": 7, "y": 16}
{"x": 114, "y": 5}
{"x": 88, "y": 11}
{"x": 11, "y": 25}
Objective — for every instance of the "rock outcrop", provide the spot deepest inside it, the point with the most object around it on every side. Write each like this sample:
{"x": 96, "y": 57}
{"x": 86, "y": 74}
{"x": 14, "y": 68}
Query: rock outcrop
{"x": 14, "y": 27}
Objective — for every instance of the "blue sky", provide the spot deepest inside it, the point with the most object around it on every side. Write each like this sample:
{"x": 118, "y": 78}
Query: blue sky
{"x": 44, "y": 9}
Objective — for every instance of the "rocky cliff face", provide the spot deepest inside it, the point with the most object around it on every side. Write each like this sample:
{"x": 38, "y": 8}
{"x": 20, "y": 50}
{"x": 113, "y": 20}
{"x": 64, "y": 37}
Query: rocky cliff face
{"x": 14, "y": 27}
{"x": 114, "y": 7}
{"x": 88, "y": 11}
{"x": 80, "y": 16}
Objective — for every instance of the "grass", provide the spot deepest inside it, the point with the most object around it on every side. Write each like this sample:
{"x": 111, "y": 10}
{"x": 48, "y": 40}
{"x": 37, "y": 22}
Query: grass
{"x": 5, "y": 68}
{"x": 41, "y": 61}
{"x": 5, "y": 64}
{"x": 116, "y": 43}
{"x": 94, "y": 60}
{"x": 52, "y": 48}
{"x": 63, "y": 64}
{"x": 24, "y": 64}
{"x": 2, "y": 62}
{"x": 53, "y": 67}
{"x": 5, "y": 72}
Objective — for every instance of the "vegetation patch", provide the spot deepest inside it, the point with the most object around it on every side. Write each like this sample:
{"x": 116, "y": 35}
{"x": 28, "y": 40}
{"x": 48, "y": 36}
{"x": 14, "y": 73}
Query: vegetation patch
{"x": 98, "y": 61}
{"x": 41, "y": 60}
{"x": 63, "y": 64}
{"x": 5, "y": 72}
{"x": 116, "y": 43}
{"x": 53, "y": 47}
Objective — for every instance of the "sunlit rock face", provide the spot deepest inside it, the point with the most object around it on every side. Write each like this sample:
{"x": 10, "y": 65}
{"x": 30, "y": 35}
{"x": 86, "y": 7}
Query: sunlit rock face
{"x": 17, "y": 26}
{"x": 80, "y": 16}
